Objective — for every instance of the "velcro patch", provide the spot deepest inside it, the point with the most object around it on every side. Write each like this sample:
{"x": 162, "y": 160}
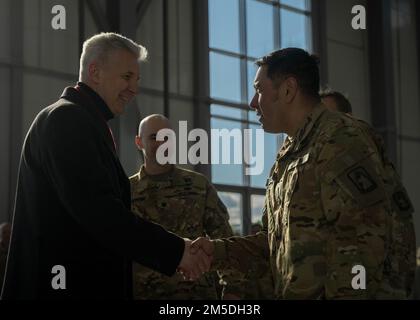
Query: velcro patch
{"x": 362, "y": 180}
{"x": 362, "y": 184}
{"x": 354, "y": 172}
{"x": 401, "y": 202}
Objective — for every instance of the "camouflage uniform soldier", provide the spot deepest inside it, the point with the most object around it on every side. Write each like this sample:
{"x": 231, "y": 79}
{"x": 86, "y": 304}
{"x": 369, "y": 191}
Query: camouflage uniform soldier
{"x": 183, "y": 202}
{"x": 336, "y": 101}
{"x": 259, "y": 286}
{"x": 331, "y": 203}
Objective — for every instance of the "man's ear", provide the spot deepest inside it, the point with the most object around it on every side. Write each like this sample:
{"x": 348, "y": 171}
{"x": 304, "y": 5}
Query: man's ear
{"x": 139, "y": 143}
{"x": 94, "y": 72}
{"x": 291, "y": 88}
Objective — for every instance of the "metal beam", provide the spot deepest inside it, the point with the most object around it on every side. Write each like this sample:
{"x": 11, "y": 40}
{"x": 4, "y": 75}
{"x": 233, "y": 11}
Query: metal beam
{"x": 112, "y": 13}
{"x": 165, "y": 40}
{"x": 417, "y": 17}
{"x": 98, "y": 15}
{"x": 81, "y": 10}
{"x": 319, "y": 37}
{"x": 128, "y": 122}
{"x": 16, "y": 105}
{"x": 201, "y": 73}
{"x": 141, "y": 9}
{"x": 382, "y": 92}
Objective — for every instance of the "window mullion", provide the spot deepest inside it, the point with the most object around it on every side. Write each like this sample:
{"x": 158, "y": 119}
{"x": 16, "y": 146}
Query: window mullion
{"x": 276, "y": 26}
{"x": 244, "y": 124}
{"x": 245, "y": 190}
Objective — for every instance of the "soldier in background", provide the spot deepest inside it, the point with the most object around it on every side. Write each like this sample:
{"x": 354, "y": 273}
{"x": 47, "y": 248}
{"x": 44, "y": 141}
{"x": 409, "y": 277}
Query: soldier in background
{"x": 184, "y": 202}
{"x": 336, "y": 101}
{"x": 330, "y": 205}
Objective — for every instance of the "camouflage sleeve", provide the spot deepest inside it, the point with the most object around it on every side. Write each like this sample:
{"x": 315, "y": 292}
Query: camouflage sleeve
{"x": 357, "y": 215}
{"x": 244, "y": 253}
{"x": 216, "y": 225}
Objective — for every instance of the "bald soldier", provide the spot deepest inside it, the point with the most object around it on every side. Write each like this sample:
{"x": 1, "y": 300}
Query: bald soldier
{"x": 336, "y": 101}
{"x": 335, "y": 225}
{"x": 184, "y": 202}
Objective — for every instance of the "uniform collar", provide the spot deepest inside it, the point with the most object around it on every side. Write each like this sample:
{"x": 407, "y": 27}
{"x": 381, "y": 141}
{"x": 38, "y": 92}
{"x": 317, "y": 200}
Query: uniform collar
{"x": 294, "y": 144}
{"x": 139, "y": 183}
{"x": 142, "y": 181}
{"x": 158, "y": 177}
{"x": 297, "y": 142}
{"x": 308, "y": 125}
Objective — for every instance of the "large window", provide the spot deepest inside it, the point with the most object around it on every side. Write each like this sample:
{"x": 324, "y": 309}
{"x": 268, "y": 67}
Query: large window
{"x": 240, "y": 31}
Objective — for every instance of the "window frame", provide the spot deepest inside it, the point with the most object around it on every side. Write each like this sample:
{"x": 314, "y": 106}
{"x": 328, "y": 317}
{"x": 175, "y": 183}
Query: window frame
{"x": 203, "y": 63}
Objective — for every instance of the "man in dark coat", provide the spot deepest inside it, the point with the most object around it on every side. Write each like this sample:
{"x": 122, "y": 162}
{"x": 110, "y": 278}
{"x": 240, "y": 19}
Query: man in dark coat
{"x": 73, "y": 234}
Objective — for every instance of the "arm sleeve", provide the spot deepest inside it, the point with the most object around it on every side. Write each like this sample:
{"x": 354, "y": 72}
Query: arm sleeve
{"x": 244, "y": 253}
{"x": 74, "y": 162}
{"x": 216, "y": 224}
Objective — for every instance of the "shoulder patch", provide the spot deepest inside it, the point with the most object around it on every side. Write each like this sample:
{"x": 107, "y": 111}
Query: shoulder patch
{"x": 362, "y": 180}
{"x": 355, "y": 173}
{"x": 401, "y": 201}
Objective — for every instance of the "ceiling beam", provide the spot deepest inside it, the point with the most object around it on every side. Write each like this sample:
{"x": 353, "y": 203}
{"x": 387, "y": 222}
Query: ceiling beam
{"x": 99, "y": 16}
{"x": 141, "y": 9}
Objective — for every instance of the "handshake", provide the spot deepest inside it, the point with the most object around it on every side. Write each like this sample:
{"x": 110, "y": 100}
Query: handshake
{"x": 197, "y": 258}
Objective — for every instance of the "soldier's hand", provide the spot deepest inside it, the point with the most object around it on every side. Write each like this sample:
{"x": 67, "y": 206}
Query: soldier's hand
{"x": 204, "y": 244}
{"x": 194, "y": 262}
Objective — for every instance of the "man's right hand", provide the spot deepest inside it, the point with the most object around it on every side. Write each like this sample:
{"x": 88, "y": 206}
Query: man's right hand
{"x": 194, "y": 262}
{"x": 204, "y": 244}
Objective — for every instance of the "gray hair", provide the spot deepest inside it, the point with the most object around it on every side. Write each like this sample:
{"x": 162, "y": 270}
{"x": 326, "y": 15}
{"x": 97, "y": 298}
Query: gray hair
{"x": 99, "y": 46}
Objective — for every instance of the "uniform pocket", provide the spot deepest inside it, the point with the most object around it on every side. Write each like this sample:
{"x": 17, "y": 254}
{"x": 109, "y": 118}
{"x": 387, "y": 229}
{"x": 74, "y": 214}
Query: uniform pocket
{"x": 294, "y": 170}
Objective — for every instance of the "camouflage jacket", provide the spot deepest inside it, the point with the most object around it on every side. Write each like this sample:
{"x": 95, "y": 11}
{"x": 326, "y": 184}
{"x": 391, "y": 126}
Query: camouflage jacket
{"x": 331, "y": 204}
{"x": 185, "y": 203}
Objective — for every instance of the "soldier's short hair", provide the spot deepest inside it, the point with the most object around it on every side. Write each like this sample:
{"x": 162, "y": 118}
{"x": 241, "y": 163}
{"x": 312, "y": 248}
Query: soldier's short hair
{"x": 343, "y": 104}
{"x": 294, "y": 62}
